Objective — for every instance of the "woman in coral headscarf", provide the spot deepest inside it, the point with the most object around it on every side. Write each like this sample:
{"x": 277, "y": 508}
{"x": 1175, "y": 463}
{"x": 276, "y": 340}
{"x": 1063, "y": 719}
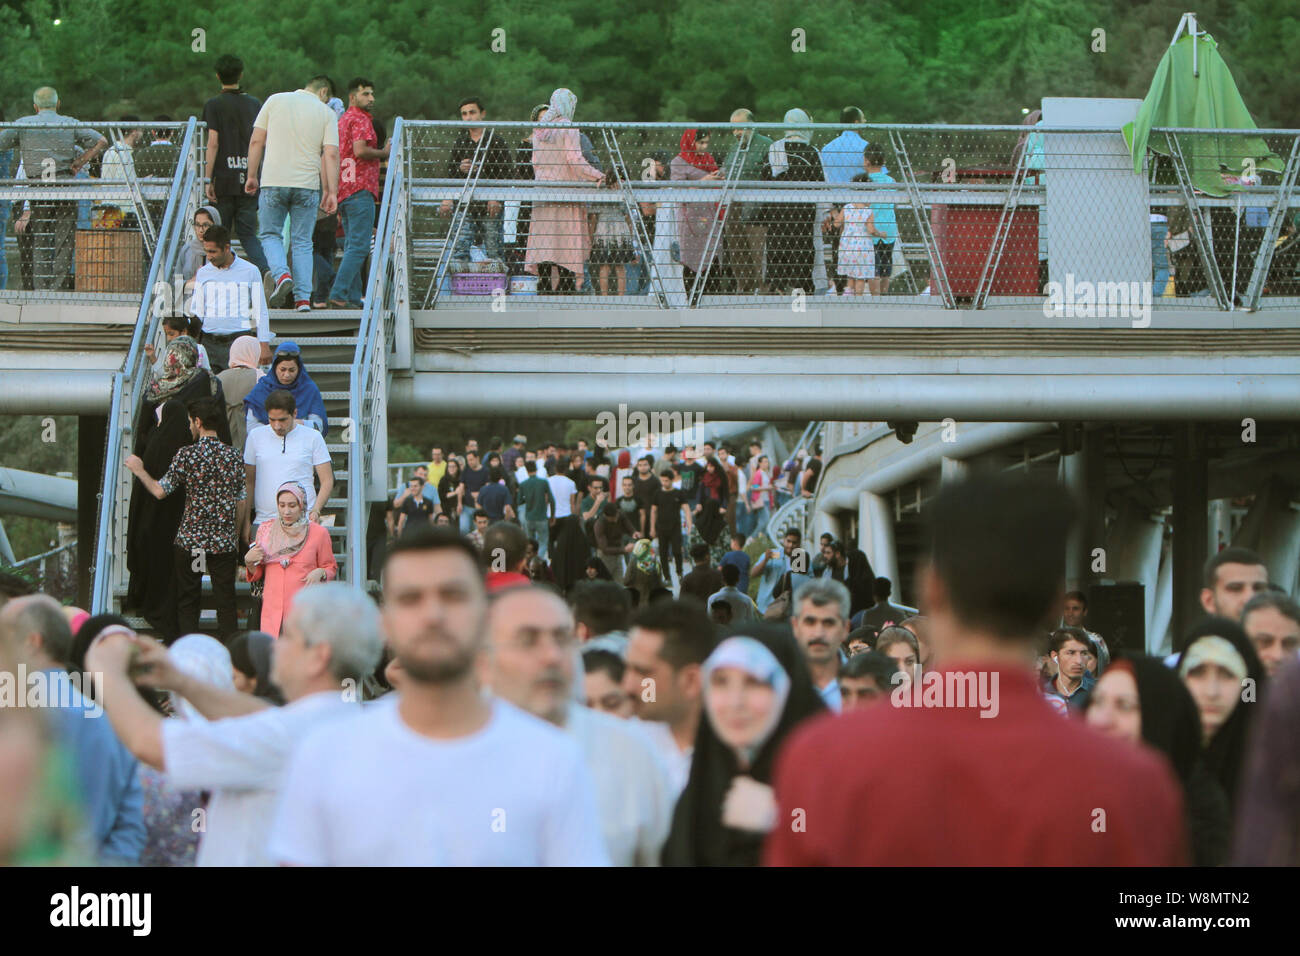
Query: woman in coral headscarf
{"x": 696, "y": 219}
{"x": 291, "y": 553}
{"x": 557, "y": 232}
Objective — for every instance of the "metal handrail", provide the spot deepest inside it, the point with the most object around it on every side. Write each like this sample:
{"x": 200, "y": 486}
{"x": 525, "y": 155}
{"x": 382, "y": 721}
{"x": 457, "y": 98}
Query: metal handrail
{"x": 46, "y": 554}
{"x": 173, "y": 225}
{"x": 371, "y": 336}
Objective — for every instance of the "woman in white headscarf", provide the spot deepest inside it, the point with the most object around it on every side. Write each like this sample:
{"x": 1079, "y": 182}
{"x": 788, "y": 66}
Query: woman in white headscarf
{"x": 172, "y": 817}
{"x": 791, "y": 227}
{"x": 557, "y": 232}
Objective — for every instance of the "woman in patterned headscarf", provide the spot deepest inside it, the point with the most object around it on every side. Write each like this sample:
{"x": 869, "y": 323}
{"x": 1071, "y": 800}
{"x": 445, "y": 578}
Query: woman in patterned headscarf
{"x": 557, "y": 232}
{"x": 643, "y": 574}
{"x": 180, "y": 378}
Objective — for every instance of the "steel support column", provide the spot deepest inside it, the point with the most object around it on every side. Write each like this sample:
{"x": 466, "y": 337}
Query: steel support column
{"x": 92, "y": 435}
{"x": 1190, "y": 525}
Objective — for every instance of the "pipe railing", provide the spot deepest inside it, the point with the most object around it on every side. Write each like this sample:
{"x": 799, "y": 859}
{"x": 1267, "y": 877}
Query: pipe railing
{"x": 924, "y": 190}
{"x": 115, "y": 491}
{"x": 367, "y": 400}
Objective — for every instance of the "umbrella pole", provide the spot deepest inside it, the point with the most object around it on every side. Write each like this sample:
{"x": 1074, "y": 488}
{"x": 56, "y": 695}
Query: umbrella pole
{"x": 1188, "y": 23}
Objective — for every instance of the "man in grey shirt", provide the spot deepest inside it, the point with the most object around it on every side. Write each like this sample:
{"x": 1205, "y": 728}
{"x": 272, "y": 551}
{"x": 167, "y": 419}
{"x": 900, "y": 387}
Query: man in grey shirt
{"x": 52, "y": 148}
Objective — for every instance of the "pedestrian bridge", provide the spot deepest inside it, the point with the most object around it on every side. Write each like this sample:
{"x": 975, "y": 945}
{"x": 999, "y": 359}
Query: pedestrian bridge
{"x": 1022, "y": 292}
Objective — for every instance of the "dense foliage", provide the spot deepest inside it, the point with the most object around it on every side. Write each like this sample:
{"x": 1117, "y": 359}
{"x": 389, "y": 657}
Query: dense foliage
{"x": 972, "y": 61}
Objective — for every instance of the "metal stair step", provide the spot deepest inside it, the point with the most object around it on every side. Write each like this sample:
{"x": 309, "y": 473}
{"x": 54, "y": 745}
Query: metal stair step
{"x": 308, "y": 341}
{"x": 317, "y": 367}
{"x": 335, "y": 396}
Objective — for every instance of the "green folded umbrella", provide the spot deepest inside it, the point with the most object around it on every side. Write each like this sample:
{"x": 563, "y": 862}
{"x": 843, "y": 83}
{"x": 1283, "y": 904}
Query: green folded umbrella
{"x": 1180, "y": 98}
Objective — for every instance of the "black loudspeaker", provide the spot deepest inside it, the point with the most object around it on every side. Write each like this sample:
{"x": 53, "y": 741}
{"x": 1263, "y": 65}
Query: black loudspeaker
{"x": 1118, "y": 613}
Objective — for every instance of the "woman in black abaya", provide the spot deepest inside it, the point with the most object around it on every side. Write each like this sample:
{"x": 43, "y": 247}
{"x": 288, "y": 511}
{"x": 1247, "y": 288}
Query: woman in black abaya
{"x": 1140, "y": 700}
{"x": 151, "y": 527}
{"x": 756, "y": 690}
{"x": 1223, "y": 672}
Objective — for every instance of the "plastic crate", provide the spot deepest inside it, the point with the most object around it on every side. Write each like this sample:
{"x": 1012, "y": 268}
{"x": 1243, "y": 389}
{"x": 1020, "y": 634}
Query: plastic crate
{"x": 477, "y": 283}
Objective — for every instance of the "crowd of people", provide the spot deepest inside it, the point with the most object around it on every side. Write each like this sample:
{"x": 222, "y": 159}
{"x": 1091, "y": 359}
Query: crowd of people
{"x": 294, "y": 175}
{"x": 298, "y": 177}
{"x": 503, "y": 720}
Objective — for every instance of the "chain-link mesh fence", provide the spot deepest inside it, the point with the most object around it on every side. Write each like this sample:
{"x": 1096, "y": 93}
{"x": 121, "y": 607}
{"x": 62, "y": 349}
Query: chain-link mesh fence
{"x": 600, "y": 215}
{"x": 75, "y": 228}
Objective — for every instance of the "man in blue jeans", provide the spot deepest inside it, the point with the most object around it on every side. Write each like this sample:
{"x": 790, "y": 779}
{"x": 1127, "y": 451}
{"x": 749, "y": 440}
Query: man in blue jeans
{"x": 358, "y": 191}
{"x": 299, "y": 136}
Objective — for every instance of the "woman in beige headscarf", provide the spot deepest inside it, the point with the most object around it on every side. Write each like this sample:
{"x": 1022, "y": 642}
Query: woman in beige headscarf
{"x": 237, "y": 381}
{"x": 557, "y": 232}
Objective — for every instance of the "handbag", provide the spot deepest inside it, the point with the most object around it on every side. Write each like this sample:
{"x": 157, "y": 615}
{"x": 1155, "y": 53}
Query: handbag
{"x": 779, "y": 609}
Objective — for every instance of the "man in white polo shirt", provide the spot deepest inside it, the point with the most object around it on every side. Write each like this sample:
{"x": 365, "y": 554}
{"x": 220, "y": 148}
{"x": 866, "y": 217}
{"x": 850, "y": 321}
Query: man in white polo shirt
{"x": 299, "y": 136}
{"x": 281, "y": 451}
{"x": 332, "y": 640}
{"x": 230, "y": 299}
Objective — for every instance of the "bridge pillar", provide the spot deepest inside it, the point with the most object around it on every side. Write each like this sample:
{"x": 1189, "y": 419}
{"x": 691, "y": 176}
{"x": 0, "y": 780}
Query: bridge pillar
{"x": 1272, "y": 529}
{"x": 1159, "y": 640}
{"x": 953, "y": 470}
{"x": 1191, "y": 526}
{"x": 92, "y": 437}
{"x": 876, "y": 537}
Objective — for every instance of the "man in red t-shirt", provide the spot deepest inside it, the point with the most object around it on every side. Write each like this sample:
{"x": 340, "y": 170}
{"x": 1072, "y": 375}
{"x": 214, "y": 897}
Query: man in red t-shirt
{"x": 359, "y": 160}
{"x": 985, "y": 774}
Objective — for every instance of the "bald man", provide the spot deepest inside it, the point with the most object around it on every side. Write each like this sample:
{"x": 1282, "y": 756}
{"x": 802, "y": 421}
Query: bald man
{"x": 37, "y": 634}
{"x": 531, "y": 662}
{"x": 52, "y": 148}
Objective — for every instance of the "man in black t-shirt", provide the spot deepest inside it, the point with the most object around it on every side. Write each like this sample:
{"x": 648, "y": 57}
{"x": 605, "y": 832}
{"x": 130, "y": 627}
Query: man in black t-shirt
{"x": 644, "y": 485}
{"x": 689, "y": 473}
{"x": 666, "y": 508}
{"x": 416, "y": 511}
{"x": 229, "y": 118}
{"x": 578, "y": 471}
{"x": 474, "y": 476}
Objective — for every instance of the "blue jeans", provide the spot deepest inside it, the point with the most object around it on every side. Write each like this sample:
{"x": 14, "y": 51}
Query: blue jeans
{"x": 470, "y": 229}
{"x": 300, "y": 205}
{"x": 539, "y": 531}
{"x": 322, "y": 278}
{"x": 1159, "y": 258}
{"x": 357, "y": 213}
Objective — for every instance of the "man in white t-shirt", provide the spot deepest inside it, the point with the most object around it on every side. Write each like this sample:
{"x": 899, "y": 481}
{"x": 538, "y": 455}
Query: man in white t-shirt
{"x": 230, "y": 300}
{"x": 281, "y": 451}
{"x": 444, "y": 776}
{"x": 667, "y": 643}
{"x": 532, "y": 640}
{"x": 330, "y": 642}
{"x": 566, "y": 494}
{"x": 299, "y": 135}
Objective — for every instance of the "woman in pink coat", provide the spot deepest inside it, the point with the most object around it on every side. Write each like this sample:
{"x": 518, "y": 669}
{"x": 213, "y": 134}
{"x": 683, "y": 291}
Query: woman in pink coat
{"x": 558, "y": 232}
{"x": 290, "y": 554}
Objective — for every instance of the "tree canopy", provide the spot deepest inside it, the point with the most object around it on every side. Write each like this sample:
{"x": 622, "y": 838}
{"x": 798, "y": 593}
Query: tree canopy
{"x": 956, "y": 61}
